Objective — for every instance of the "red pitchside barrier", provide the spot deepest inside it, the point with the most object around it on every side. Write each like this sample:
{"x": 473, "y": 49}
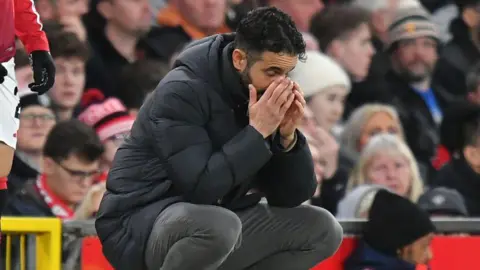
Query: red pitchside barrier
{"x": 449, "y": 253}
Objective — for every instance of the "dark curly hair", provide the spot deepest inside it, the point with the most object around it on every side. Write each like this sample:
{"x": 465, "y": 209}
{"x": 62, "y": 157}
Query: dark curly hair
{"x": 269, "y": 29}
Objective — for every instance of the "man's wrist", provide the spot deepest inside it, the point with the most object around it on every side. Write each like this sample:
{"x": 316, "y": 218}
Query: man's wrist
{"x": 288, "y": 142}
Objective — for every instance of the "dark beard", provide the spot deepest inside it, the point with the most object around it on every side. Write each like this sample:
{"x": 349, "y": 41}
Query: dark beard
{"x": 410, "y": 77}
{"x": 247, "y": 79}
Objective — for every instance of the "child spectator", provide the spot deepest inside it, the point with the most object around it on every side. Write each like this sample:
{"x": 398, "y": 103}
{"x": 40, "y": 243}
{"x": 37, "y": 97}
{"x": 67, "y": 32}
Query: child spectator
{"x": 70, "y": 55}
{"x": 325, "y": 86}
{"x": 397, "y": 235}
{"x": 110, "y": 119}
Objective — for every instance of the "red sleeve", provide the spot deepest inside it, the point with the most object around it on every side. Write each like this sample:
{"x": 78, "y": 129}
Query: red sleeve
{"x": 28, "y": 27}
{"x": 442, "y": 157}
{"x": 3, "y": 183}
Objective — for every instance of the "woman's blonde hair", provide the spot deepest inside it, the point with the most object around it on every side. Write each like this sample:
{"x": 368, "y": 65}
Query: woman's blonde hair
{"x": 353, "y": 128}
{"x": 389, "y": 144}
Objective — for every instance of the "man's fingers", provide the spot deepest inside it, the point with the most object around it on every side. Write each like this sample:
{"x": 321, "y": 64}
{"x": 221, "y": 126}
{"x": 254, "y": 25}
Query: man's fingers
{"x": 278, "y": 91}
{"x": 287, "y": 92}
{"x": 284, "y": 108}
{"x": 253, "y": 95}
{"x": 271, "y": 88}
{"x": 299, "y": 96}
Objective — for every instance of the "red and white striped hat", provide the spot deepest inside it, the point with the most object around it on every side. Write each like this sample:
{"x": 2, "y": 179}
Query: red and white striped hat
{"x": 108, "y": 116}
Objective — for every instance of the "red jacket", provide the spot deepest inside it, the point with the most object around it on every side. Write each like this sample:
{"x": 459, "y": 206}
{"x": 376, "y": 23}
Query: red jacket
{"x": 20, "y": 18}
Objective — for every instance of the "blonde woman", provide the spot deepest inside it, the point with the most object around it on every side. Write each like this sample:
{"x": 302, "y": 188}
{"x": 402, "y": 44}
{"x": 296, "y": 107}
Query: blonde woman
{"x": 387, "y": 161}
{"x": 365, "y": 122}
{"x": 368, "y": 121}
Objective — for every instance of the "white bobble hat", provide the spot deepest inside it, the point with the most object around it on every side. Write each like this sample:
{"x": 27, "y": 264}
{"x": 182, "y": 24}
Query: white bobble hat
{"x": 318, "y": 73}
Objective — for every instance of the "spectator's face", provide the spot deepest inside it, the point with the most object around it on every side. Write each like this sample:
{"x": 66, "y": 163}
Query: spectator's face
{"x": 379, "y": 123}
{"x": 24, "y": 76}
{"x": 72, "y": 8}
{"x": 301, "y": 11}
{"x": 207, "y": 15}
{"x": 49, "y": 9}
{"x": 391, "y": 170}
{"x": 35, "y": 124}
{"x": 69, "y": 82}
{"x": 328, "y": 105}
{"x": 71, "y": 178}
{"x": 355, "y": 52}
{"x": 415, "y": 59}
{"x": 111, "y": 146}
{"x": 471, "y": 16}
{"x": 382, "y": 18}
{"x": 265, "y": 69}
{"x": 474, "y": 96}
{"x": 419, "y": 252}
{"x": 130, "y": 16}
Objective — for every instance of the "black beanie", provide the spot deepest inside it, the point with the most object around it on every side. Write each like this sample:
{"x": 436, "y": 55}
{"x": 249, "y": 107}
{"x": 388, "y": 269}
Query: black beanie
{"x": 33, "y": 99}
{"x": 395, "y": 222}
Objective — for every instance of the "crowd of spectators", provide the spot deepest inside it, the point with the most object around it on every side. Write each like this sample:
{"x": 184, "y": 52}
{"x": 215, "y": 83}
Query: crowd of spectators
{"x": 392, "y": 88}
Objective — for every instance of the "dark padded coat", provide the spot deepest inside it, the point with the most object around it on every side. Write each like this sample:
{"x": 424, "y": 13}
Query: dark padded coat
{"x": 191, "y": 142}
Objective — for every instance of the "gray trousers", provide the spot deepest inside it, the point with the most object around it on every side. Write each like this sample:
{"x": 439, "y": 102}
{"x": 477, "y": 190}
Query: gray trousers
{"x": 202, "y": 237}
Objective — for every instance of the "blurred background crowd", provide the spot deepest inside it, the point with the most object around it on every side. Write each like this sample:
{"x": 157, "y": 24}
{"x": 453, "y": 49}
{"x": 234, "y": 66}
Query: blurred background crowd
{"x": 392, "y": 86}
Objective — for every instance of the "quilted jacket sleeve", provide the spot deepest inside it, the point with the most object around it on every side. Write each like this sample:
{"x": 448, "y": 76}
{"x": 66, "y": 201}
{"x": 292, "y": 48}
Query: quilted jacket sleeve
{"x": 203, "y": 176}
{"x": 288, "y": 179}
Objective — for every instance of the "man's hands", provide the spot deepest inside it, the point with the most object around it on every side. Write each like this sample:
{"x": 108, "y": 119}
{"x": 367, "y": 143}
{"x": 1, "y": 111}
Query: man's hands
{"x": 267, "y": 112}
{"x": 293, "y": 117}
{"x": 91, "y": 202}
{"x": 43, "y": 71}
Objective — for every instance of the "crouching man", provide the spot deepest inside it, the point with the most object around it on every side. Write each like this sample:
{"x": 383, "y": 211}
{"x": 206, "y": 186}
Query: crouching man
{"x": 222, "y": 123}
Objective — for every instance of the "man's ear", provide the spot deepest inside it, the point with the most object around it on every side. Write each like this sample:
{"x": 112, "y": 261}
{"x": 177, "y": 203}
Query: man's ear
{"x": 239, "y": 59}
{"x": 48, "y": 165}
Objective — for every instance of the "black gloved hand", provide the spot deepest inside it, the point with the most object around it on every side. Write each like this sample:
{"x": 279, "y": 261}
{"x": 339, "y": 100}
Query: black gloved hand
{"x": 43, "y": 71}
{"x": 3, "y": 73}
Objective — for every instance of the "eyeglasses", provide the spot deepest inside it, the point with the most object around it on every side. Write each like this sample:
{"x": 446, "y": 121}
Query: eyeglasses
{"x": 43, "y": 118}
{"x": 118, "y": 139}
{"x": 78, "y": 174}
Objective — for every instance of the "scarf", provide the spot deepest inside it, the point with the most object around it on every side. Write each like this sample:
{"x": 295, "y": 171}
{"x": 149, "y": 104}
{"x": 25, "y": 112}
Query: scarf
{"x": 58, "y": 207}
